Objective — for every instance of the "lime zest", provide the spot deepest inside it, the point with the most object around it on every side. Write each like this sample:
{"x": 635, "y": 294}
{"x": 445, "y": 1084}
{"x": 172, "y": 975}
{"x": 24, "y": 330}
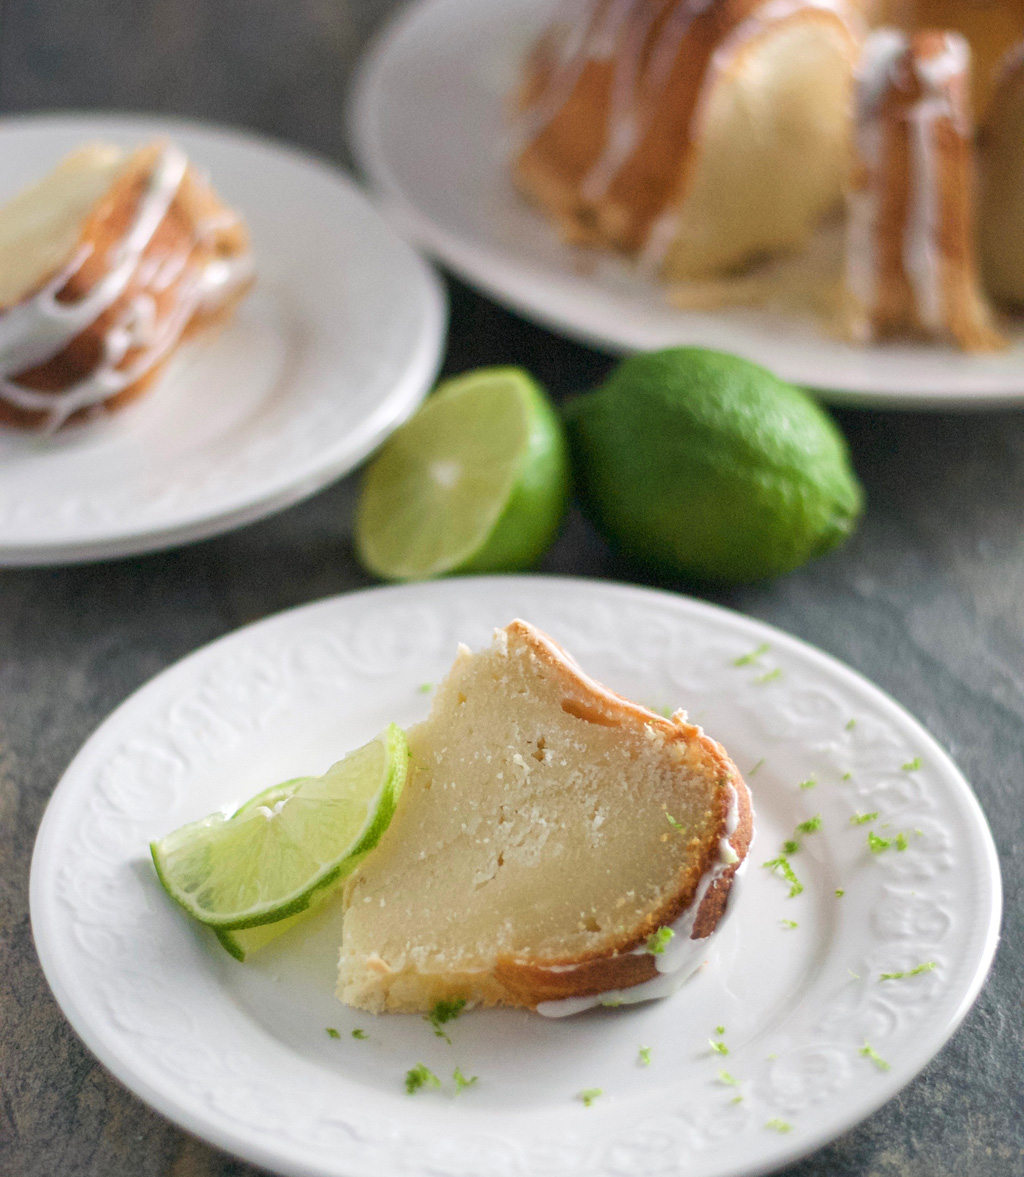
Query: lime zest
{"x": 425, "y": 688}
{"x": 658, "y": 941}
{"x": 644, "y": 1056}
{"x": 769, "y": 676}
{"x": 901, "y": 842}
{"x": 778, "y": 1125}
{"x": 789, "y": 923}
{"x": 727, "y": 1079}
{"x": 718, "y": 1047}
{"x": 360, "y": 1034}
{"x": 861, "y": 819}
{"x": 781, "y": 864}
{"x": 914, "y": 972}
{"x": 851, "y": 724}
{"x": 868, "y": 1051}
{"x": 840, "y": 892}
{"x": 719, "y": 1030}
{"x": 810, "y": 826}
{"x": 460, "y": 1080}
{"x": 589, "y": 1094}
{"x": 912, "y": 765}
{"x": 418, "y": 1077}
{"x": 332, "y": 1032}
{"x": 757, "y": 766}
{"x": 876, "y": 844}
{"x": 676, "y": 825}
{"x": 809, "y": 783}
{"x": 443, "y": 1013}
{"x": 753, "y": 656}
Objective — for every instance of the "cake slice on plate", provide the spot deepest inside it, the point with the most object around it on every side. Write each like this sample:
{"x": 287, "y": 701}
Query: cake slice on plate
{"x": 556, "y": 846}
{"x": 105, "y": 265}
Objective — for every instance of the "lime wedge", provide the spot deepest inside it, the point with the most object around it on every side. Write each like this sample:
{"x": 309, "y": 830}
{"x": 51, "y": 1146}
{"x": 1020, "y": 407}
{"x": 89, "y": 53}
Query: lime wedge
{"x": 477, "y": 481}
{"x": 243, "y": 942}
{"x": 272, "y": 858}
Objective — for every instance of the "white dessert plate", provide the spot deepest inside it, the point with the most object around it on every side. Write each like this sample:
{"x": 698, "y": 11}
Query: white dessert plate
{"x": 239, "y": 1053}
{"x": 336, "y": 344}
{"x": 430, "y": 126}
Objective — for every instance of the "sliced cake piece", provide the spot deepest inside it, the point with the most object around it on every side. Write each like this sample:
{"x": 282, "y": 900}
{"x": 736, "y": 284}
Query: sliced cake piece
{"x": 555, "y": 845}
{"x": 911, "y": 267}
{"x": 105, "y": 264}
{"x": 1001, "y": 219}
{"x": 695, "y": 135}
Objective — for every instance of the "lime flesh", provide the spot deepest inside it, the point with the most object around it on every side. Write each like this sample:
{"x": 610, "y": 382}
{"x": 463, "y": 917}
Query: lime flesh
{"x": 273, "y": 857}
{"x": 477, "y": 481}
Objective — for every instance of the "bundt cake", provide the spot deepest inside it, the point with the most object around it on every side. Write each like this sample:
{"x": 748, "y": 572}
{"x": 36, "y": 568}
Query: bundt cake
{"x": 555, "y": 846}
{"x": 710, "y": 140}
{"x": 695, "y": 135}
{"x": 104, "y": 265}
{"x": 910, "y": 265}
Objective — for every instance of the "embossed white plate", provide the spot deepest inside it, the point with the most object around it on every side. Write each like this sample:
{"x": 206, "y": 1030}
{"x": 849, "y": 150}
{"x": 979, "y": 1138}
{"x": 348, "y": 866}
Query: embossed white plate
{"x": 430, "y": 125}
{"x": 240, "y": 1054}
{"x": 335, "y": 346}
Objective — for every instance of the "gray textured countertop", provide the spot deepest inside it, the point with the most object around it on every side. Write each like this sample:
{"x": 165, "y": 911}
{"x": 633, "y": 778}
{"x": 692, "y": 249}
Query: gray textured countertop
{"x": 927, "y": 600}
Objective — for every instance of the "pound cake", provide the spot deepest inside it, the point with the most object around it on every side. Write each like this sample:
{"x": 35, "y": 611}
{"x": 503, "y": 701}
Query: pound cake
{"x": 556, "y": 846}
{"x": 105, "y": 265}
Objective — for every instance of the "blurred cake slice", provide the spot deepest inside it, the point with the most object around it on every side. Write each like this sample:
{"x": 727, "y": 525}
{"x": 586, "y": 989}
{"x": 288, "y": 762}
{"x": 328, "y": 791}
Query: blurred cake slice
{"x": 911, "y": 267}
{"x": 105, "y": 264}
{"x": 696, "y": 135}
{"x": 556, "y": 846}
{"x": 1001, "y": 208}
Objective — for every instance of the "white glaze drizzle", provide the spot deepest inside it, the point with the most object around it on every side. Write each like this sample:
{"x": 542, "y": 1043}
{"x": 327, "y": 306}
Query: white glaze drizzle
{"x": 882, "y": 50}
{"x": 922, "y": 260}
{"x": 576, "y": 29}
{"x": 635, "y": 92}
{"x": 682, "y": 955}
{"x": 39, "y": 328}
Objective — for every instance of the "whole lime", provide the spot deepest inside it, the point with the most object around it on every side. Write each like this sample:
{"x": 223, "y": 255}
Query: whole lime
{"x": 704, "y": 464}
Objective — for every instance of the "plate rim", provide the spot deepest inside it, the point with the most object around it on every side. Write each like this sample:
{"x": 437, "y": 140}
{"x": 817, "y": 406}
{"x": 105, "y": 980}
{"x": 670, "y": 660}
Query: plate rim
{"x": 337, "y": 459}
{"x": 512, "y": 282}
{"x": 275, "y": 1155}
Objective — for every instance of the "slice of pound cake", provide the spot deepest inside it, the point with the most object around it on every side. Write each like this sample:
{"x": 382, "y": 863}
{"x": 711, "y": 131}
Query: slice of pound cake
{"x": 555, "y": 847}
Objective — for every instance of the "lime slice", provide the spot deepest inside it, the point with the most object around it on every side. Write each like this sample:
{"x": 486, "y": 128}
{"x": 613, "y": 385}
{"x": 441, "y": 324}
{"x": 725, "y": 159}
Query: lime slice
{"x": 271, "y": 858}
{"x": 243, "y": 942}
{"x": 477, "y": 481}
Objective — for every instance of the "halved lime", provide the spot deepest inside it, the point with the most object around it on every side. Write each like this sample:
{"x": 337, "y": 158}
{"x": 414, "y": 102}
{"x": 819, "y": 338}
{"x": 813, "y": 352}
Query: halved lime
{"x": 477, "y": 481}
{"x": 270, "y": 859}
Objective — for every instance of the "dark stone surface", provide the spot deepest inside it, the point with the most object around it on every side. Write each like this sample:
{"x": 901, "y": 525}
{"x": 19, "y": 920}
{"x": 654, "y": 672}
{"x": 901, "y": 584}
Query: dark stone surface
{"x": 927, "y": 600}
